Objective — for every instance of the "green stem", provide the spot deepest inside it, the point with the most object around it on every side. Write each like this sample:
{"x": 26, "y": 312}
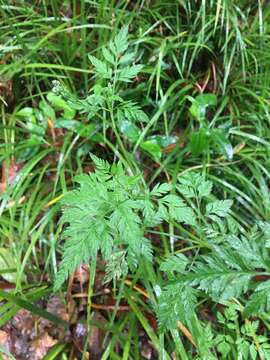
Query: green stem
{"x": 92, "y": 270}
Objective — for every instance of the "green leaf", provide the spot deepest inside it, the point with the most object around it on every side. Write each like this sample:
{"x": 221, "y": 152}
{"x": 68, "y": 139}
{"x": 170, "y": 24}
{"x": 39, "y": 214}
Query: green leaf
{"x": 259, "y": 301}
{"x": 253, "y": 352}
{"x": 199, "y": 141}
{"x": 175, "y": 303}
{"x": 59, "y": 103}
{"x": 116, "y": 266}
{"x": 25, "y": 112}
{"x": 83, "y": 150}
{"x": 152, "y": 147}
{"x": 127, "y": 58}
{"x": 200, "y": 104}
{"x": 176, "y": 263}
{"x": 7, "y": 263}
{"x": 178, "y": 210}
{"x": 265, "y": 227}
{"x": 228, "y": 270}
{"x": 205, "y": 188}
{"x": 127, "y": 73}
{"x": 101, "y": 165}
{"x": 243, "y": 349}
{"x": 37, "y": 131}
{"x": 130, "y": 111}
{"x": 108, "y": 55}
{"x": 131, "y": 131}
{"x": 183, "y": 214}
{"x": 121, "y": 41}
{"x": 164, "y": 140}
{"x": 218, "y": 280}
{"x": 86, "y": 131}
{"x": 224, "y": 348}
{"x": 55, "y": 351}
{"x": 219, "y": 208}
{"x": 66, "y": 124}
{"x": 101, "y": 68}
{"x": 102, "y": 215}
{"x": 223, "y": 145}
{"x": 161, "y": 189}
{"x": 47, "y": 110}
{"x": 193, "y": 185}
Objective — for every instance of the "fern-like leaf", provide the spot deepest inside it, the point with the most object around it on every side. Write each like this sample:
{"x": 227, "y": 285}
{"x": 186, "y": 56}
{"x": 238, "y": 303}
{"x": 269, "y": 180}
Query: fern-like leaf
{"x": 219, "y": 208}
{"x": 176, "y": 302}
{"x": 127, "y": 73}
{"x": 102, "y": 69}
{"x": 228, "y": 270}
{"x": 259, "y": 301}
{"x": 192, "y": 185}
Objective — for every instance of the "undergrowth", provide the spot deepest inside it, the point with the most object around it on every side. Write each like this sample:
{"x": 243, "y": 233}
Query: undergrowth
{"x": 135, "y": 145}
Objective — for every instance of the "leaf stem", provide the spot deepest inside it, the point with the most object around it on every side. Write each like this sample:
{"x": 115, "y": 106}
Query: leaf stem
{"x": 92, "y": 271}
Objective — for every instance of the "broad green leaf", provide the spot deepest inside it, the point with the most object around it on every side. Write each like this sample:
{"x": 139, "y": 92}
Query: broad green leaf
{"x": 25, "y": 112}
{"x": 86, "y": 131}
{"x": 153, "y": 148}
{"x": 66, "y": 124}
{"x": 199, "y": 141}
{"x": 47, "y": 110}
{"x": 130, "y": 130}
{"x": 164, "y": 140}
{"x": 37, "y": 131}
{"x": 60, "y": 104}
{"x": 155, "y": 143}
{"x": 200, "y": 104}
{"x": 220, "y": 141}
{"x": 83, "y": 150}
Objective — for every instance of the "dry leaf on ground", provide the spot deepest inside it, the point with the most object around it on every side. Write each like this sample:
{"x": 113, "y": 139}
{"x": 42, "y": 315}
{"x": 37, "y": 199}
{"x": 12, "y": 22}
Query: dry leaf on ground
{"x": 40, "y": 346}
